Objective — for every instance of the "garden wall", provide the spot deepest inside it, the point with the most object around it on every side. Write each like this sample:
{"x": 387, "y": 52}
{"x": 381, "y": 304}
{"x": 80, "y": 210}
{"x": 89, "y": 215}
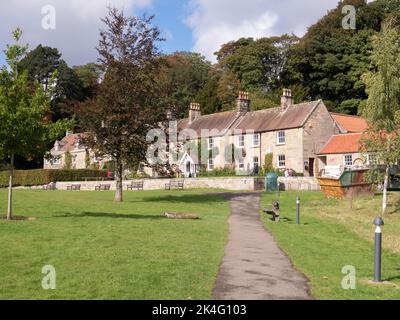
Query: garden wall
{"x": 299, "y": 184}
{"x": 232, "y": 184}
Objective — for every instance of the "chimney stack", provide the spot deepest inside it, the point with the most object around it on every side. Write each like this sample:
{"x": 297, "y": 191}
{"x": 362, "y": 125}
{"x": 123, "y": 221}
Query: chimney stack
{"x": 287, "y": 99}
{"x": 243, "y": 102}
{"x": 194, "y": 112}
{"x": 68, "y": 133}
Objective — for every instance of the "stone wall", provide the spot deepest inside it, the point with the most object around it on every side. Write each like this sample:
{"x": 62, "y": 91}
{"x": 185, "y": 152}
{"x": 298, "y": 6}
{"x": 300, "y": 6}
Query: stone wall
{"x": 230, "y": 184}
{"x": 299, "y": 184}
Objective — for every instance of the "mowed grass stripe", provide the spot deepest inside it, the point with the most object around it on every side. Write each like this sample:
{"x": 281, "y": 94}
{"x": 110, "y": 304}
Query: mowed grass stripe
{"x": 107, "y": 250}
{"x": 321, "y": 246}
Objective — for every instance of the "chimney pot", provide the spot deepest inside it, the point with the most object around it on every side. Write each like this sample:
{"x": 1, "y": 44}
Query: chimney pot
{"x": 287, "y": 99}
{"x": 243, "y": 102}
{"x": 194, "y": 112}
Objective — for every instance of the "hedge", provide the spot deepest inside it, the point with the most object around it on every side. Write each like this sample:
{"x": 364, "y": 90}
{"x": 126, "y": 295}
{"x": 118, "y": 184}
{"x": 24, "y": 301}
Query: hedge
{"x": 46, "y": 176}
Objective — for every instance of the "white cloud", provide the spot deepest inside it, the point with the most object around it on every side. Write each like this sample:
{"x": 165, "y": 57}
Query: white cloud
{"x": 215, "y": 22}
{"x": 77, "y": 24}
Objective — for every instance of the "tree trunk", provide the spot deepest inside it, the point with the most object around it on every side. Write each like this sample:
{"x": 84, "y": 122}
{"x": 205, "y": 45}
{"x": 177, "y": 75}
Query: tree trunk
{"x": 385, "y": 190}
{"x": 10, "y": 189}
{"x": 118, "y": 180}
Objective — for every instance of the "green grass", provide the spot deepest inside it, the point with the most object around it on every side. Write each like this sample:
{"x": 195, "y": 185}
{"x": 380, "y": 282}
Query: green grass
{"x": 325, "y": 242}
{"x": 107, "y": 250}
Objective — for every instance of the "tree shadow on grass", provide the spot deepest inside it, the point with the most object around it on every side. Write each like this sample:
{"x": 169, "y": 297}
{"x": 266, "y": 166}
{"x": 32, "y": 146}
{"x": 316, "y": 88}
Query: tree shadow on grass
{"x": 396, "y": 278}
{"x": 111, "y": 215}
{"x": 186, "y": 198}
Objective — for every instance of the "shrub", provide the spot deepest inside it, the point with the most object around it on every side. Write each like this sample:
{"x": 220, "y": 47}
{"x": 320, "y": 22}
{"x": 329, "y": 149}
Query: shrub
{"x": 226, "y": 172}
{"x": 43, "y": 176}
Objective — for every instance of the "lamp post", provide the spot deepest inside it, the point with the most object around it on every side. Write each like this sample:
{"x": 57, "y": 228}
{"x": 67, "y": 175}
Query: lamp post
{"x": 297, "y": 210}
{"x": 378, "y": 222}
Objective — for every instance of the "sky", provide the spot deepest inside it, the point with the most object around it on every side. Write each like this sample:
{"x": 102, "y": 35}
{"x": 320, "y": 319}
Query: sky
{"x": 187, "y": 25}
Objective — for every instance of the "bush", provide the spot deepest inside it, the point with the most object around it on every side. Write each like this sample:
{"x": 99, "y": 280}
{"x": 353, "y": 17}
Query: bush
{"x": 43, "y": 176}
{"x": 226, "y": 172}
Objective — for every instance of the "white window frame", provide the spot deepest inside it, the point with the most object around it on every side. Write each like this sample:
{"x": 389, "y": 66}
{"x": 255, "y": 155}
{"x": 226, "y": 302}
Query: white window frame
{"x": 281, "y": 137}
{"x": 211, "y": 164}
{"x": 256, "y": 140}
{"x": 241, "y": 164}
{"x": 242, "y": 141}
{"x": 281, "y": 158}
{"x": 211, "y": 143}
{"x": 345, "y": 160}
{"x": 56, "y": 161}
{"x": 256, "y": 162}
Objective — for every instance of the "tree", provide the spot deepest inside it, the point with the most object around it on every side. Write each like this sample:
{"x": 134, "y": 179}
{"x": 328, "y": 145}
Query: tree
{"x": 23, "y": 109}
{"x": 90, "y": 75}
{"x": 208, "y": 95}
{"x": 129, "y": 101}
{"x": 68, "y": 160}
{"x": 330, "y": 61}
{"x": 382, "y": 109}
{"x": 44, "y": 64}
{"x": 185, "y": 73}
{"x": 257, "y": 63}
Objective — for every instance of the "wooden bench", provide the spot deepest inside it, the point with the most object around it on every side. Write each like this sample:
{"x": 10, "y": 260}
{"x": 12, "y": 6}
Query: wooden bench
{"x": 135, "y": 186}
{"x": 74, "y": 187}
{"x": 175, "y": 184}
{"x": 50, "y": 186}
{"x": 275, "y": 212}
{"x": 103, "y": 187}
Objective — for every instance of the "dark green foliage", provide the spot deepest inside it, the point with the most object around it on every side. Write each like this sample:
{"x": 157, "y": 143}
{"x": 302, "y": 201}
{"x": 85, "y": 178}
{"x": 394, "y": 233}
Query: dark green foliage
{"x": 45, "y": 63}
{"x": 184, "y": 75}
{"x": 208, "y": 95}
{"x": 43, "y": 176}
{"x": 226, "y": 172}
{"x": 330, "y": 61}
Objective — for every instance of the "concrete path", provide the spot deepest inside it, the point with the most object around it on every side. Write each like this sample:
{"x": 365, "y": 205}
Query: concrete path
{"x": 254, "y": 268}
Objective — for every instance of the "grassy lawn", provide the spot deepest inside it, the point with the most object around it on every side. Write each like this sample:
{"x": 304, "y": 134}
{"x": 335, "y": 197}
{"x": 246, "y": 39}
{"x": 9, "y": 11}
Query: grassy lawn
{"x": 105, "y": 250}
{"x": 333, "y": 236}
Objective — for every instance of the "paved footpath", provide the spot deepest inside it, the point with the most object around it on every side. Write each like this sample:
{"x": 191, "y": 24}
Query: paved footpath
{"x": 254, "y": 268}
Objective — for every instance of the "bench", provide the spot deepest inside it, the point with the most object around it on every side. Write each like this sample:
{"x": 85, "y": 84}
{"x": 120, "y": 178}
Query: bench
{"x": 103, "y": 187}
{"x": 74, "y": 187}
{"x": 135, "y": 186}
{"x": 50, "y": 186}
{"x": 175, "y": 184}
{"x": 274, "y": 212}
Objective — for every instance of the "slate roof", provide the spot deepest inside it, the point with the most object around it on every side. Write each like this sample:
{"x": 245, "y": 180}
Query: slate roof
{"x": 274, "y": 119}
{"x": 266, "y": 120}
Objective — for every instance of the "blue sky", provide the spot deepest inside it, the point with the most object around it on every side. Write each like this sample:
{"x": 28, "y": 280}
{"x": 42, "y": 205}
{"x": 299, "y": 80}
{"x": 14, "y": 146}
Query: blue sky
{"x": 197, "y": 25}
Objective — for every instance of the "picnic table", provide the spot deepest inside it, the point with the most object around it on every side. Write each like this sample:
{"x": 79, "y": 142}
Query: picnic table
{"x": 103, "y": 187}
{"x": 175, "y": 184}
{"x": 137, "y": 185}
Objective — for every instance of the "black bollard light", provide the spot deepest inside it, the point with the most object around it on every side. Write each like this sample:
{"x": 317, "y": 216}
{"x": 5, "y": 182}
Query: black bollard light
{"x": 378, "y": 222}
{"x": 297, "y": 210}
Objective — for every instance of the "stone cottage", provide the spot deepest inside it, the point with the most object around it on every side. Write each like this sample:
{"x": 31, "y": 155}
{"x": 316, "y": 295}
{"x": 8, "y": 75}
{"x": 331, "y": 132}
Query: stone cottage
{"x": 80, "y": 156}
{"x": 292, "y": 133}
{"x": 344, "y": 150}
